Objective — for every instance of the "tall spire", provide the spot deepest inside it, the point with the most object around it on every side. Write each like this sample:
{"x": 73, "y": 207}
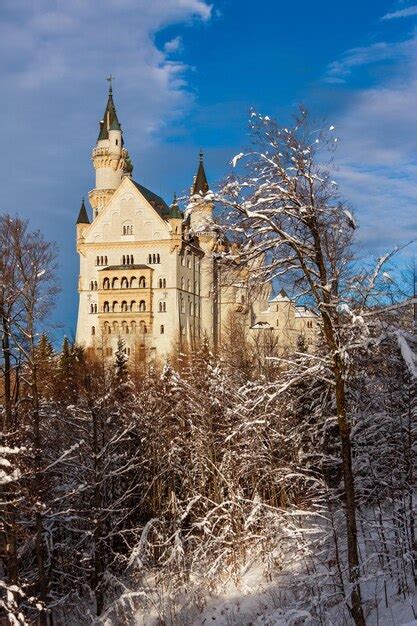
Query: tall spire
{"x": 109, "y": 121}
{"x": 200, "y": 183}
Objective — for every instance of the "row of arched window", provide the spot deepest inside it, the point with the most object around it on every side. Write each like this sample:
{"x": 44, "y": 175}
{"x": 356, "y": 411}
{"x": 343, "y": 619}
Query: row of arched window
{"x": 124, "y": 327}
{"x": 127, "y": 229}
{"x": 124, "y": 306}
{"x": 93, "y": 285}
{"x": 162, "y": 283}
{"x": 93, "y": 308}
{"x": 154, "y": 258}
{"x": 162, "y": 307}
{"x": 101, "y": 260}
{"x": 127, "y": 259}
{"x": 125, "y": 283}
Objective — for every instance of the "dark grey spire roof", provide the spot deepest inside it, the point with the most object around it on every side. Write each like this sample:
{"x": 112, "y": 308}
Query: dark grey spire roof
{"x": 109, "y": 121}
{"x": 83, "y": 215}
{"x": 200, "y": 184}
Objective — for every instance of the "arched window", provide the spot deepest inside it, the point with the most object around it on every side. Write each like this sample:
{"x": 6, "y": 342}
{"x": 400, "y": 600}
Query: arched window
{"x": 160, "y": 283}
{"x": 115, "y": 283}
{"x": 142, "y": 327}
{"x": 190, "y": 307}
{"x": 149, "y": 258}
{"x": 164, "y": 283}
{"x": 95, "y": 285}
{"x": 124, "y": 306}
{"x": 142, "y": 305}
{"x": 158, "y": 258}
{"x": 182, "y": 305}
{"x": 105, "y": 260}
{"x": 182, "y": 282}
{"x": 91, "y": 308}
{"x": 142, "y": 282}
{"x": 124, "y": 283}
{"x": 91, "y": 285}
{"x": 154, "y": 258}
{"x": 95, "y": 308}
{"x": 188, "y": 285}
{"x": 106, "y": 307}
{"x": 133, "y": 327}
{"x": 101, "y": 260}
{"x": 114, "y": 306}
{"x": 133, "y": 282}
{"x": 132, "y": 305}
{"x": 123, "y": 260}
{"x": 131, "y": 259}
{"x": 277, "y": 324}
{"x": 93, "y": 330}
{"x": 97, "y": 260}
{"x": 162, "y": 329}
{"x": 115, "y": 327}
{"x": 106, "y": 283}
{"x": 182, "y": 261}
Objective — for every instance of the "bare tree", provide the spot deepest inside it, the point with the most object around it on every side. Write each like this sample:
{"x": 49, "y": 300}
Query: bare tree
{"x": 288, "y": 209}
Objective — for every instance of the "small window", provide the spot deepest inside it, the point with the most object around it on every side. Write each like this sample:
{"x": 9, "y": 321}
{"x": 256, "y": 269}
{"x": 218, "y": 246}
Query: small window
{"x": 182, "y": 261}
{"x": 162, "y": 329}
{"x": 93, "y": 330}
{"x": 117, "y": 142}
{"x": 277, "y": 323}
{"x": 182, "y": 282}
{"x": 142, "y": 305}
{"x": 188, "y": 285}
{"x": 182, "y": 305}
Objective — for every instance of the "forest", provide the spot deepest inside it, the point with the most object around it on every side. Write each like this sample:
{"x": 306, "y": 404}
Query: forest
{"x": 243, "y": 485}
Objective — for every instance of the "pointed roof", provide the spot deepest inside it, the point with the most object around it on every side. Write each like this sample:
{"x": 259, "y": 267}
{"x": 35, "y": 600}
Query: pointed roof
{"x": 200, "y": 185}
{"x": 282, "y": 295}
{"x": 174, "y": 209}
{"x": 83, "y": 215}
{"x": 109, "y": 121}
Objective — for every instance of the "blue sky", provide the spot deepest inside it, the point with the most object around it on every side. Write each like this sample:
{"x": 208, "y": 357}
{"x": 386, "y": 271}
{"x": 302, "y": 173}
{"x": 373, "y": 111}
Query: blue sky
{"x": 187, "y": 72}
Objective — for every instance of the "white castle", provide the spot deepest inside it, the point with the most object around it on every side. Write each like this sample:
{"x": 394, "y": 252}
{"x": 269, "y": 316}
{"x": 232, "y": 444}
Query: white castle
{"x": 155, "y": 278}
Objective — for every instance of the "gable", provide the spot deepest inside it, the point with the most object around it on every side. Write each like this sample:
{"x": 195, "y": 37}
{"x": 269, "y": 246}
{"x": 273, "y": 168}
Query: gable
{"x": 129, "y": 216}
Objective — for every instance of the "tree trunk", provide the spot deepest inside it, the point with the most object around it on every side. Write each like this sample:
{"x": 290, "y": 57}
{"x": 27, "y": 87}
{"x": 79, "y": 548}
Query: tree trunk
{"x": 350, "y": 504}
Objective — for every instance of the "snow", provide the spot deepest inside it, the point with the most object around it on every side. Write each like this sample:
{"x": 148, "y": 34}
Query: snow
{"x": 410, "y": 357}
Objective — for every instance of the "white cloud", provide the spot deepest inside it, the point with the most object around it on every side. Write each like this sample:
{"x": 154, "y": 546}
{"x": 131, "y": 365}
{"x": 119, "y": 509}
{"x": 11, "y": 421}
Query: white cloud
{"x": 408, "y": 12}
{"x": 340, "y": 70}
{"x": 378, "y": 153}
{"x": 173, "y": 45}
{"x": 52, "y": 48}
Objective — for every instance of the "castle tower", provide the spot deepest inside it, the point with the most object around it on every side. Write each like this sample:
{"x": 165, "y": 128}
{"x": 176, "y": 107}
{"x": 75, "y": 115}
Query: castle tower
{"x": 202, "y": 225}
{"x": 110, "y": 159}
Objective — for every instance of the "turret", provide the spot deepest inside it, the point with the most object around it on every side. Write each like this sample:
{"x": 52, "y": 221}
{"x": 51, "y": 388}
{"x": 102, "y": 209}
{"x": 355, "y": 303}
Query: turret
{"x": 82, "y": 221}
{"x": 175, "y": 219}
{"x": 110, "y": 159}
{"x": 201, "y": 204}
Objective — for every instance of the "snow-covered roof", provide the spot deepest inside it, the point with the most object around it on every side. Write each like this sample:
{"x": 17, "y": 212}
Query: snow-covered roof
{"x": 303, "y": 311}
{"x": 262, "y": 325}
{"x": 280, "y": 297}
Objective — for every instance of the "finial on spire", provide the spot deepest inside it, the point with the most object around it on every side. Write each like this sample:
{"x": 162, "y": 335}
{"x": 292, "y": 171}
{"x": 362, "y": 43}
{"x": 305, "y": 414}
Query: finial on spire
{"x": 200, "y": 185}
{"x": 110, "y": 79}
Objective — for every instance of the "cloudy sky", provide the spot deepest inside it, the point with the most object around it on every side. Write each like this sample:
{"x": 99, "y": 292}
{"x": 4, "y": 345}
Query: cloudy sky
{"x": 186, "y": 73}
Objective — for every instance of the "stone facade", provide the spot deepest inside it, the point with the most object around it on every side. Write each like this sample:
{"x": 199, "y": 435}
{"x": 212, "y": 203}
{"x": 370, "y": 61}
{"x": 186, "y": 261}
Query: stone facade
{"x": 155, "y": 278}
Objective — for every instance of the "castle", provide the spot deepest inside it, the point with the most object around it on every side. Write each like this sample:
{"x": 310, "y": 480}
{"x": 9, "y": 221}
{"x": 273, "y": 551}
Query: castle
{"x": 155, "y": 277}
